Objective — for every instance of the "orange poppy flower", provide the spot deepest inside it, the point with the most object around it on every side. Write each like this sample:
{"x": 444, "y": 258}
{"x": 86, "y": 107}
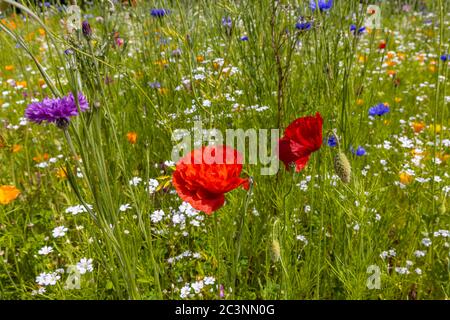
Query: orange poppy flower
{"x": 390, "y": 55}
{"x": 10, "y": 24}
{"x": 61, "y": 173}
{"x": 30, "y": 36}
{"x": 405, "y": 178}
{"x": 391, "y": 63}
{"x": 162, "y": 63}
{"x": 16, "y": 148}
{"x": 8, "y": 194}
{"x": 391, "y": 73}
{"x": 132, "y": 137}
{"x": 163, "y": 91}
{"x": 23, "y": 84}
{"x": 418, "y": 126}
{"x": 40, "y": 158}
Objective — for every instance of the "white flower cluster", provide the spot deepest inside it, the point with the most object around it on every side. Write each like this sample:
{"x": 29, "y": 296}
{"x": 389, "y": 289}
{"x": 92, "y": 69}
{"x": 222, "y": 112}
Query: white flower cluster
{"x": 79, "y": 208}
{"x": 184, "y": 255}
{"x": 190, "y": 290}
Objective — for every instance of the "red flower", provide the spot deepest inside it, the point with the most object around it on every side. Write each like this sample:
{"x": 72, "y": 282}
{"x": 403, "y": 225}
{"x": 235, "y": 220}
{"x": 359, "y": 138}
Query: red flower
{"x": 203, "y": 176}
{"x": 301, "y": 138}
{"x": 382, "y": 45}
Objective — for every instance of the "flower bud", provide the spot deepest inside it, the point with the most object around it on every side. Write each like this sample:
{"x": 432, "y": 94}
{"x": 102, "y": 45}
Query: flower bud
{"x": 87, "y": 31}
{"x": 342, "y": 167}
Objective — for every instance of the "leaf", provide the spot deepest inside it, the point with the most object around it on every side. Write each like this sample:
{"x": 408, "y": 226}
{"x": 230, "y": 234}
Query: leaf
{"x": 167, "y": 184}
{"x": 163, "y": 177}
{"x": 109, "y": 285}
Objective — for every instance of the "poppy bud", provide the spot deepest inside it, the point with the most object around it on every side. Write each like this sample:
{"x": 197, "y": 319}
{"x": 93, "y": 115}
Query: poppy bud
{"x": 342, "y": 167}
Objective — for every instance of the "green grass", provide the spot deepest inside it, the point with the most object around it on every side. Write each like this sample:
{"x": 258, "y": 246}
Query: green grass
{"x": 251, "y": 249}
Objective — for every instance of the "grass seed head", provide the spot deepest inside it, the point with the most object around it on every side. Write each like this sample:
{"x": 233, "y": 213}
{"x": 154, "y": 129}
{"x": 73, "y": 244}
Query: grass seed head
{"x": 276, "y": 250}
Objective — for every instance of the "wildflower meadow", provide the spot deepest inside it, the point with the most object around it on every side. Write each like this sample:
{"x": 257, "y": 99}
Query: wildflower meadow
{"x": 225, "y": 150}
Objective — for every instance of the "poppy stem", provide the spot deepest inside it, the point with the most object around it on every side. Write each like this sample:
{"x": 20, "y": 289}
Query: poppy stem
{"x": 217, "y": 247}
{"x": 238, "y": 237}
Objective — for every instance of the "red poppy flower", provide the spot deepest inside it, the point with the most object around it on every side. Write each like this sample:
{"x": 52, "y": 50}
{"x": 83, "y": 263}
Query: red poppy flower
{"x": 203, "y": 176}
{"x": 301, "y": 138}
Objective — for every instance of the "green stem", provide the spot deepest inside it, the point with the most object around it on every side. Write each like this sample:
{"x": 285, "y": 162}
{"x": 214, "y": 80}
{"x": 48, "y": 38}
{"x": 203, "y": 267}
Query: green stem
{"x": 239, "y": 236}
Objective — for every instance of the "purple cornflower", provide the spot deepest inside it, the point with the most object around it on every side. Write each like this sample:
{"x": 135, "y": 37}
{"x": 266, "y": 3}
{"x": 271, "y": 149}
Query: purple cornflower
{"x": 378, "y": 110}
{"x": 159, "y": 13}
{"x": 86, "y": 27}
{"x": 323, "y": 4}
{"x": 176, "y": 53}
{"x": 406, "y": 8}
{"x": 119, "y": 41}
{"x": 46, "y": 4}
{"x": 57, "y": 110}
{"x": 228, "y": 24}
{"x": 108, "y": 80}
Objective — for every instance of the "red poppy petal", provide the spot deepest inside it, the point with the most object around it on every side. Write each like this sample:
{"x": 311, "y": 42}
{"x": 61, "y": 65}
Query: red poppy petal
{"x": 209, "y": 205}
{"x": 307, "y": 132}
{"x": 206, "y": 174}
{"x": 301, "y": 163}
{"x": 245, "y": 184}
{"x": 285, "y": 153}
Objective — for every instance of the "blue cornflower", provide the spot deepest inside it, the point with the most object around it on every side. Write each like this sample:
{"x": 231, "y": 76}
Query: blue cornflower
{"x": 176, "y": 53}
{"x": 360, "y": 30}
{"x": 227, "y": 22}
{"x": 360, "y": 151}
{"x": 323, "y": 4}
{"x": 445, "y": 57}
{"x": 159, "y": 13}
{"x": 244, "y": 38}
{"x": 303, "y": 25}
{"x": 378, "y": 110}
{"x": 332, "y": 141}
{"x": 155, "y": 85}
